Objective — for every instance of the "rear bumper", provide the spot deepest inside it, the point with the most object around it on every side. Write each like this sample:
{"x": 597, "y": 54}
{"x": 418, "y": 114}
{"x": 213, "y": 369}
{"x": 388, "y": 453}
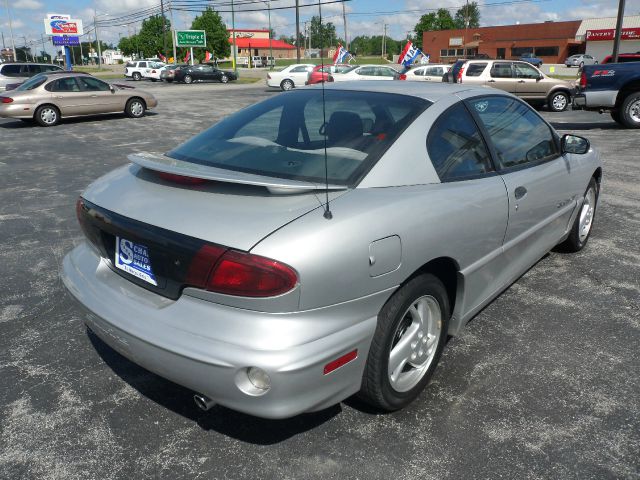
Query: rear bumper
{"x": 17, "y": 110}
{"x": 188, "y": 341}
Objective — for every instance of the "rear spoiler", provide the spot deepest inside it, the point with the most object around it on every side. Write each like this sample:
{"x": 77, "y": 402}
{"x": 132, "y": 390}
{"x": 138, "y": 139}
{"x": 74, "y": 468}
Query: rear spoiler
{"x": 281, "y": 186}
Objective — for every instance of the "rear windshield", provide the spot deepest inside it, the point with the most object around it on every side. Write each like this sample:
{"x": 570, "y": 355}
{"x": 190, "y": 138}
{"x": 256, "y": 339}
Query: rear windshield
{"x": 285, "y": 136}
{"x": 33, "y": 82}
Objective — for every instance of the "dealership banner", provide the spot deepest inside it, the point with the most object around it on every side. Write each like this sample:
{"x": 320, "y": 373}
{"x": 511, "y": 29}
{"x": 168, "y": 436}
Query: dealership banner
{"x": 610, "y": 33}
{"x": 71, "y": 26}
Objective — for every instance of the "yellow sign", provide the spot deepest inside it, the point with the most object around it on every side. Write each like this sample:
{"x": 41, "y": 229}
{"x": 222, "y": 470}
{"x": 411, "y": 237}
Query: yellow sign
{"x": 552, "y": 69}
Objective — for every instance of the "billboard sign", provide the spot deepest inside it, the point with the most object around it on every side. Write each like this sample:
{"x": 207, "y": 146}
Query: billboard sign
{"x": 65, "y": 41}
{"x": 191, "y": 38}
{"x": 610, "y": 33}
{"x": 58, "y": 16}
{"x": 63, "y": 27}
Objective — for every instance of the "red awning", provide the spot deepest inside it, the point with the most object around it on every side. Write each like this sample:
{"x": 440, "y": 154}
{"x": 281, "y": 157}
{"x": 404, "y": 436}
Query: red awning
{"x": 261, "y": 43}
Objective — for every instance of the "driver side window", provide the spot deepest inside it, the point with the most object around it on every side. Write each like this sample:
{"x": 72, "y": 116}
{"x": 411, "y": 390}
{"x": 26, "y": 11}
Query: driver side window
{"x": 519, "y": 136}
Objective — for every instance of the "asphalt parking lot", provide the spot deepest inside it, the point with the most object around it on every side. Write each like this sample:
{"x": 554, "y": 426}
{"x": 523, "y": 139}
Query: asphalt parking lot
{"x": 542, "y": 384}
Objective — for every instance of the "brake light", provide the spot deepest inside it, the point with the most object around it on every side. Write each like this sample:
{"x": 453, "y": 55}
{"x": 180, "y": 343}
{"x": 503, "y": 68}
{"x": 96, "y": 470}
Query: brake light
{"x": 248, "y": 275}
{"x": 7, "y": 99}
{"x": 402, "y": 77}
{"x": 460, "y": 72}
{"x": 181, "y": 179}
{"x": 583, "y": 80}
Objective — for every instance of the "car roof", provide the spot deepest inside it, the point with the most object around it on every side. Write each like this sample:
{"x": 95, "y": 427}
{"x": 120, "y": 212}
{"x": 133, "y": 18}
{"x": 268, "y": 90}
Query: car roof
{"x": 432, "y": 91}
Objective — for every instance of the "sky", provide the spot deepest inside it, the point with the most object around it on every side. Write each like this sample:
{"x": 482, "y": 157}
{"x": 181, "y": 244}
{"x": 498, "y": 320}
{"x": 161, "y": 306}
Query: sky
{"x": 364, "y": 17}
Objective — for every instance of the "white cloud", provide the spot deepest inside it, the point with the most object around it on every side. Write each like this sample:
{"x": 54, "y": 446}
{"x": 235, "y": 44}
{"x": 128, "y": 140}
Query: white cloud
{"x": 27, "y": 5}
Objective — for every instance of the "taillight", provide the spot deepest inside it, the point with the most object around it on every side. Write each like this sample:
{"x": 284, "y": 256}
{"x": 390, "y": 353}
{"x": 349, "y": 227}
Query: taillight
{"x": 460, "y": 72}
{"x": 583, "y": 80}
{"x": 402, "y": 77}
{"x": 7, "y": 99}
{"x": 181, "y": 179}
{"x": 218, "y": 269}
{"x": 249, "y": 275}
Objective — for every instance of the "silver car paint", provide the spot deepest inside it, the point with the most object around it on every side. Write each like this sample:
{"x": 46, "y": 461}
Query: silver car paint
{"x": 206, "y": 343}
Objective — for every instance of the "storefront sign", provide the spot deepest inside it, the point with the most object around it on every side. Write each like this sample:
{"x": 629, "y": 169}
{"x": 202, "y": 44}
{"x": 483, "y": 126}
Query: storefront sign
{"x": 66, "y": 41}
{"x": 63, "y": 27}
{"x": 610, "y": 33}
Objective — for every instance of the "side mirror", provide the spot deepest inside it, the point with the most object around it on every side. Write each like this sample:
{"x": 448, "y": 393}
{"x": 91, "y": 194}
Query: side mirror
{"x": 574, "y": 144}
{"x": 540, "y": 76}
{"x": 112, "y": 88}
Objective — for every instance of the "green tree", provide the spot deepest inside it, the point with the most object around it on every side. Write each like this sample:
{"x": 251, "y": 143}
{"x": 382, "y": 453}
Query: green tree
{"x": 440, "y": 20}
{"x": 149, "y": 39}
{"x": 470, "y": 13}
{"x": 323, "y": 35}
{"x": 364, "y": 45}
{"x": 217, "y": 36}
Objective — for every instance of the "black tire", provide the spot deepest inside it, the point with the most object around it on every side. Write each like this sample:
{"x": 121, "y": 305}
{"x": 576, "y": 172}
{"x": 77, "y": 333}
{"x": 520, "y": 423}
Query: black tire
{"x": 615, "y": 115}
{"x": 154, "y": 80}
{"x": 377, "y": 389}
{"x": 188, "y": 79}
{"x": 558, "y": 101}
{"x": 224, "y": 79}
{"x": 169, "y": 80}
{"x": 630, "y": 110}
{"x": 575, "y": 241}
{"x": 135, "y": 108}
{"x": 47, "y": 115}
{"x": 136, "y": 76}
{"x": 287, "y": 85}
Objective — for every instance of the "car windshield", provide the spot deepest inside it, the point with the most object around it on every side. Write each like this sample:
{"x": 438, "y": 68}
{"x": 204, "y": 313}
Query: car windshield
{"x": 32, "y": 83}
{"x": 285, "y": 136}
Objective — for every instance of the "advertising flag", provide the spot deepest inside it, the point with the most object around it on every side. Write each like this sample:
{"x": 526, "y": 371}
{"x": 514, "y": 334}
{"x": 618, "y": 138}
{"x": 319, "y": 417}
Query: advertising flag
{"x": 207, "y": 56}
{"x": 162, "y": 57}
{"x": 341, "y": 55}
{"x": 409, "y": 54}
{"x": 187, "y": 56}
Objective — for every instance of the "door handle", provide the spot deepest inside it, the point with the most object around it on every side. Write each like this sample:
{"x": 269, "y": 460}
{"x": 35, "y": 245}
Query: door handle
{"x": 520, "y": 192}
{"x": 520, "y": 81}
{"x": 94, "y": 96}
{"x": 491, "y": 81}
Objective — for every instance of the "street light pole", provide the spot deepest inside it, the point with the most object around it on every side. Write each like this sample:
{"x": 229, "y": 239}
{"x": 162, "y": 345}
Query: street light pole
{"x": 173, "y": 35}
{"x": 13, "y": 43}
{"x": 271, "y": 60}
{"x": 95, "y": 24}
{"x": 616, "y": 40}
{"x": 233, "y": 34}
{"x": 344, "y": 20}
{"x": 298, "y": 31}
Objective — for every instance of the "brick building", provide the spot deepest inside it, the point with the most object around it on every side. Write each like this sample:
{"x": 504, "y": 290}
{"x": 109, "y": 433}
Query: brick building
{"x": 552, "y": 41}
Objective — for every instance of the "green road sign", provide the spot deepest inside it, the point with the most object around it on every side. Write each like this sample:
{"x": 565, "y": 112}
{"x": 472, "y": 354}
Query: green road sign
{"x": 191, "y": 38}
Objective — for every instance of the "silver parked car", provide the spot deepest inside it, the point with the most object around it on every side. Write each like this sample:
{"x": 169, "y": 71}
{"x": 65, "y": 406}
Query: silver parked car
{"x": 580, "y": 60}
{"x": 277, "y": 263}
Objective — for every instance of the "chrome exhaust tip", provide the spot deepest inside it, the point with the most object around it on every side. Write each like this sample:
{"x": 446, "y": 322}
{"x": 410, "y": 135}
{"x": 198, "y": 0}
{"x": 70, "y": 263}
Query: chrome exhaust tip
{"x": 203, "y": 403}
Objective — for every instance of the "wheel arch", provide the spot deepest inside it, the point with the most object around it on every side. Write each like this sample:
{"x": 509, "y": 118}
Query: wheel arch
{"x": 45, "y": 104}
{"x": 447, "y": 270}
{"x": 137, "y": 97}
{"x": 597, "y": 175}
{"x": 631, "y": 87}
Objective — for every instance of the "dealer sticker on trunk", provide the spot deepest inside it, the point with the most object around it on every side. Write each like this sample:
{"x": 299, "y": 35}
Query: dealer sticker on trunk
{"x": 134, "y": 258}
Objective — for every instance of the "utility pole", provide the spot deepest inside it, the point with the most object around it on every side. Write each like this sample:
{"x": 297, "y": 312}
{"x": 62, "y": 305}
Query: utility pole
{"x": 344, "y": 20}
{"x": 173, "y": 35}
{"x": 298, "y": 30}
{"x": 95, "y": 24}
{"x": 164, "y": 29}
{"x": 3, "y": 45}
{"x": 616, "y": 40}
{"x": 233, "y": 29}
{"x": 384, "y": 40}
{"x": 13, "y": 43}
{"x": 466, "y": 30}
{"x": 271, "y": 60}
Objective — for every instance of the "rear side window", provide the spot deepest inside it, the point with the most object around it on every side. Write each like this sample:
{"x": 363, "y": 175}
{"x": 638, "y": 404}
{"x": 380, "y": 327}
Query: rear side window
{"x": 475, "y": 69}
{"x": 501, "y": 70}
{"x": 65, "y": 85}
{"x": 50, "y": 68}
{"x": 13, "y": 71}
{"x": 518, "y": 134}
{"x": 93, "y": 84}
{"x": 455, "y": 146}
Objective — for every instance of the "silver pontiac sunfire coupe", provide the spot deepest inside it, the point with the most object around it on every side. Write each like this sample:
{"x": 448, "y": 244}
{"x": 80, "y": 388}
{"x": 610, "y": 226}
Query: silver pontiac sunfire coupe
{"x": 220, "y": 265}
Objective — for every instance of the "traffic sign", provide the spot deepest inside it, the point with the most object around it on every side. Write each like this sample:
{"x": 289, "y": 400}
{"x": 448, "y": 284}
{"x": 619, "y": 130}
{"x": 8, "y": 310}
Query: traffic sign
{"x": 191, "y": 38}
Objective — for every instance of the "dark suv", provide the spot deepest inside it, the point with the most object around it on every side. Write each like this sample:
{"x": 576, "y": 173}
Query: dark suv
{"x": 19, "y": 72}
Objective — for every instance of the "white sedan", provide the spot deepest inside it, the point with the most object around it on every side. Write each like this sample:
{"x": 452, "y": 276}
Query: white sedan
{"x": 427, "y": 73}
{"x": 368, "y": 72}
{"x": 292, "y": 76}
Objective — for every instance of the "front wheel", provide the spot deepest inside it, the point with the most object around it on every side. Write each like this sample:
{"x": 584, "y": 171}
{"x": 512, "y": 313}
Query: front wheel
{"x": 407, "y": 344}
{"x": 135, "y": 108}
{"x": 558, "y": 102}
{"x": 286, "y": 85}
{"x": 47, "y": 116}
{"x": 224, "y": 79}
{"x": 581, "y": 228}
{"x": 188, "y": 79}
{"x": 630, "y": 111}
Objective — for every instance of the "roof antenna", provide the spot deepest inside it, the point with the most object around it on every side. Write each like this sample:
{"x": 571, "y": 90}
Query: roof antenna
{"x": 327, "y": 212}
